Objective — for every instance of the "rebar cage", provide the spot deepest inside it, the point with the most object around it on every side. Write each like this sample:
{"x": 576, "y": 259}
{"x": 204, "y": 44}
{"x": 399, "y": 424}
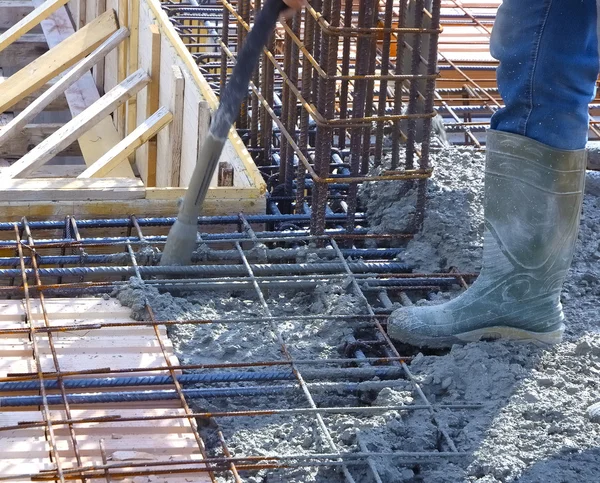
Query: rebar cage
{"x": 343, "y": 88}
{"x": 56, "y": 259}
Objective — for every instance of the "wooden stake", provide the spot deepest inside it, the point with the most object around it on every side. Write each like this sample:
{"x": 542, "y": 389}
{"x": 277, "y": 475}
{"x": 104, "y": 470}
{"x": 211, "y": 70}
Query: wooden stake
{"x": 152, "y": 103}
{"x": 170, "y": 140}
{"x": 50, "y": 147}
{"x": 148, "y": 129}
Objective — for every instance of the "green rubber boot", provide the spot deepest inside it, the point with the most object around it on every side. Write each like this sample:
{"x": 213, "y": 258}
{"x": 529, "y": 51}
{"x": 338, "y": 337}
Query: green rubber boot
{"x": 533, "y": 196}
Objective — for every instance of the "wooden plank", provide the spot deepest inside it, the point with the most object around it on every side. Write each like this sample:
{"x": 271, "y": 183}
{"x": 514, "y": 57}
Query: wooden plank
{"x": 23, "y": 51}
{"x": 153, "y": 205}
{"x": 120, "y": 115}
{"x": 78, "y": 12}
{"x": 54, "y": 189}
{"x": 197, "y": 132}
{"x": 103, "y": 136}
{"x": 134, "y": 38}
{"x": 80, "y": 124}
{"x": 58, "y": 104}
{"x": 30, "y": 21}
{"x": 144, "y": 62}
{"x": 26, "y": 450}
{"x": 121, "y": 151}
{"x": 97, "y": 8}
{"x": 152, "y": 102}
{"x": 56, "y": 60}
{"x": 27, "y": 115}
{"x": 31, "y": 136}
{"x": 170, "y": 139}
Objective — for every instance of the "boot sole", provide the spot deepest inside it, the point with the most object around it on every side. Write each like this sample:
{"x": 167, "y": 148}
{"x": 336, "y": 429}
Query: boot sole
{"x": 542, "y": 339}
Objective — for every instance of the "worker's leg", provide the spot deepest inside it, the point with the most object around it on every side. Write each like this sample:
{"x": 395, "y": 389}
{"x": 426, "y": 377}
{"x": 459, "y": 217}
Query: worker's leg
{"x": 534, "y": 181}
{"x": 548, "y": 53}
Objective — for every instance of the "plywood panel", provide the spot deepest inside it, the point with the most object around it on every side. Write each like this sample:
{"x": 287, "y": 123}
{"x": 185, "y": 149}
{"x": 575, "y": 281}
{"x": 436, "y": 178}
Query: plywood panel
{"x": 27, "y": 450}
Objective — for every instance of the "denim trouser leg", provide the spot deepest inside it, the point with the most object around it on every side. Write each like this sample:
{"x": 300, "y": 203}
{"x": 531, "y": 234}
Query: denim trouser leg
{"x": 548, "y": 53}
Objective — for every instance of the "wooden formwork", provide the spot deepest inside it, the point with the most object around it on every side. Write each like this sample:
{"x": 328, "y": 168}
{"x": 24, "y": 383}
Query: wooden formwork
{"x": 107, "y": 433}
{"x": 103, "y": 112}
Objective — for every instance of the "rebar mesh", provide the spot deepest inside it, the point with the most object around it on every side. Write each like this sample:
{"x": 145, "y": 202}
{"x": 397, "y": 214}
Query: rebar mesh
{"x": 81, "y": 257}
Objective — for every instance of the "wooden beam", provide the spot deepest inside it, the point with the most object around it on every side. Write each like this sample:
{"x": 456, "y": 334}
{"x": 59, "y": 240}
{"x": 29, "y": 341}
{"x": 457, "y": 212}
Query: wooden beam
{"x": 30, "y": 137}
{"x": 170, "y": 140}
{"x": 121, "y": 151}
{"x": 27, "y": 115}
{"x": 56, "y": 60}
{"x": 23, "y": 51}
{"x": 152, "y": 102}
{"x": 30, "y": 21}
{"x": 102, "y": 137}
{"x": 56, "y": 189}
{"x": 49, "y": 148}
{"x": 58, "y": 104}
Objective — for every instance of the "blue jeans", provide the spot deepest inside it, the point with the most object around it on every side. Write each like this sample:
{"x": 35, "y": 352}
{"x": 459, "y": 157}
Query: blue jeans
{"x": 548, "y": 54}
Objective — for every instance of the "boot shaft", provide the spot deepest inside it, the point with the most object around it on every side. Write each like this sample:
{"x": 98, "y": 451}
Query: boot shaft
{"x": 533, "y": 197}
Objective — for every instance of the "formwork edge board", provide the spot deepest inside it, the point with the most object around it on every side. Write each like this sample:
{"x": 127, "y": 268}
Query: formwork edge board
{"x": 111, "y": 207}
{"x": 65, "y": 189}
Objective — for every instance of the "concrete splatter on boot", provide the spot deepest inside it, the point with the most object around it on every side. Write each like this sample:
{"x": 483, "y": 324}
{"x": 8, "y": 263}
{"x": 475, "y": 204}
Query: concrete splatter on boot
{"x": 533, "y": 197}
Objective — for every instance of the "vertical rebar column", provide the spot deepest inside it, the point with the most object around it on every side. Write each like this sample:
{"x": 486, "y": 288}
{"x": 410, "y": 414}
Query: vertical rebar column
{"x": 255, "y": 80}
{"x": 244, "y": 11}
{"x": 398, "y": 86}
{"x": 363, "y": 51}
{"x": 224, "y": 58}
{"x": 326, "y": 106}
{"x": 344, "y": 90}
{"x": 285, "y": 107}
{"x": 414, "y": 85}
{"x": 383, "y": 84}
{"x": 366, "y": 143}
{"x": 266, "y": 90}
{"x": 429, "y": 98}
{"x": 292, "y": 115}
{"x": 318, "y": 5}
{"x": 307, "y": 72}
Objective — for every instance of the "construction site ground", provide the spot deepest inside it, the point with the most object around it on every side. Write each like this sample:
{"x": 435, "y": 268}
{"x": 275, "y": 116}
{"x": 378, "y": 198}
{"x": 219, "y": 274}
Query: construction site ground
{"x": 532, "y": 424}
{"x": 267, "y": 360}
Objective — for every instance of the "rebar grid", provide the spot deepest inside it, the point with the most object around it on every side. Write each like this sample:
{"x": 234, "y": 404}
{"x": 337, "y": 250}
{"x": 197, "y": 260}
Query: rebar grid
{"x": 371, "y": 355}
{"x": 341, "y": 87}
